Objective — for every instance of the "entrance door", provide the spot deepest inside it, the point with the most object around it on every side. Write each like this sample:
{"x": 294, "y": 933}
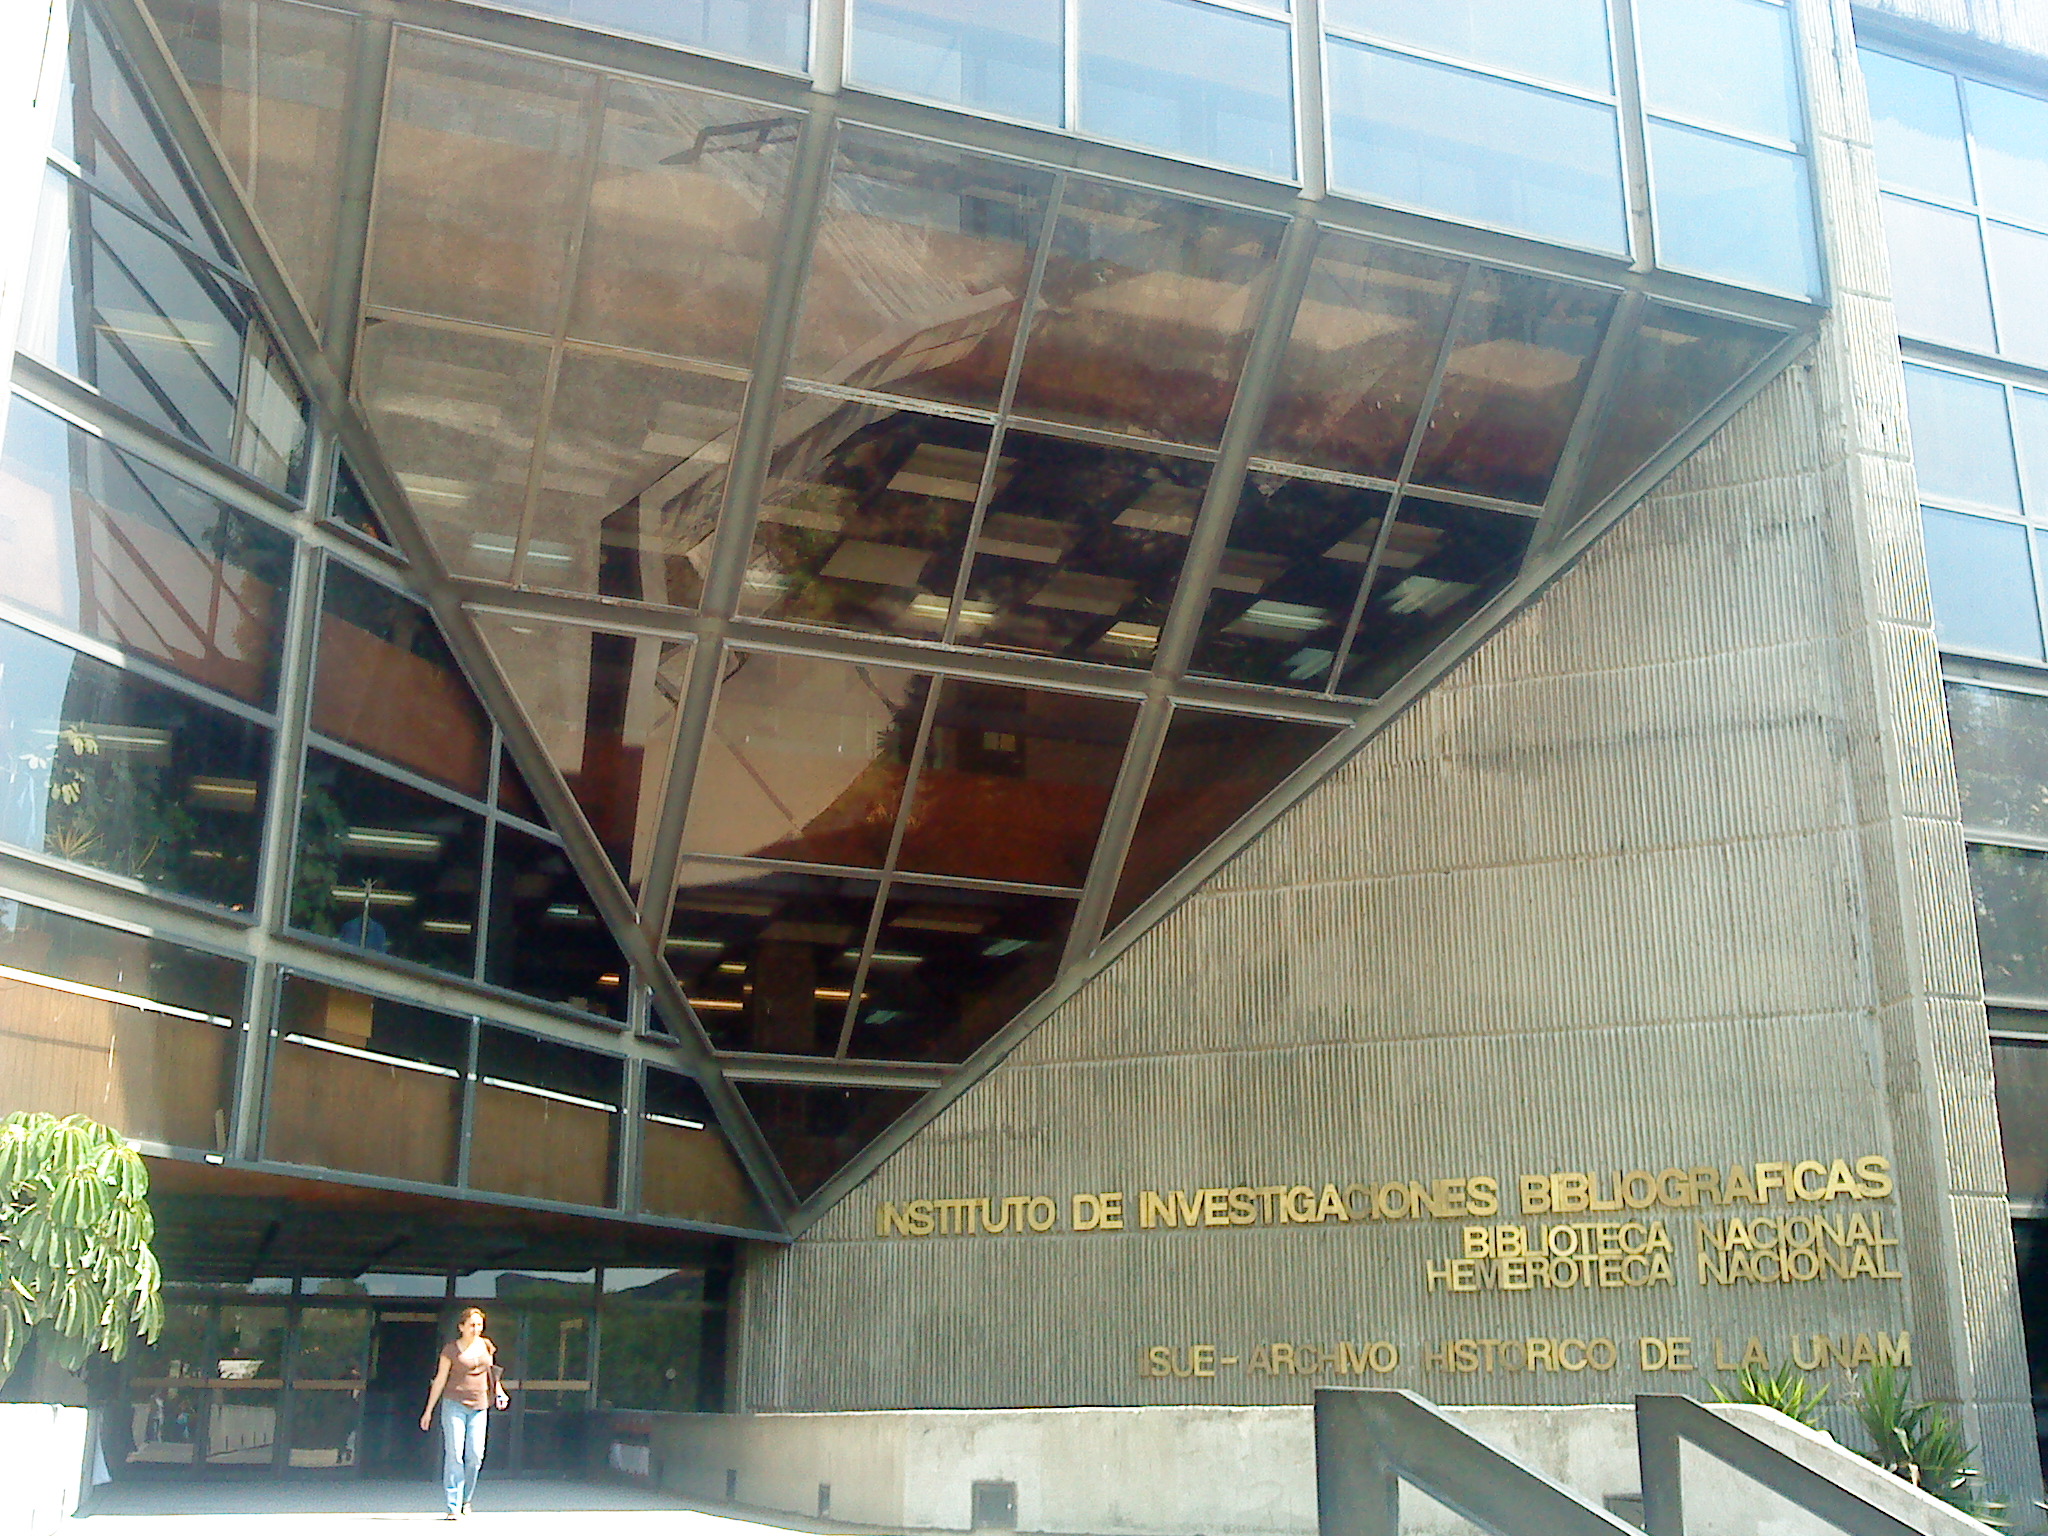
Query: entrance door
{"x": 401, "y": 1370}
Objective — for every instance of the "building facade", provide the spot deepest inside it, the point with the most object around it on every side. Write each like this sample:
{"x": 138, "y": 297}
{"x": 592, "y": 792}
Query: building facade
{"x": 1080, "y": 702}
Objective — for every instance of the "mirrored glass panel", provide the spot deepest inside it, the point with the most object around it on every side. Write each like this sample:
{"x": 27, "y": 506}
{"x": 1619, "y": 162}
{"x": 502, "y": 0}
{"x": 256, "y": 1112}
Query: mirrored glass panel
{"x": 686, "y": 1170}
{"x": 272, "y": 79}
{"x": 1476, "y": 149}
{"x": 2001, "y": 740}
{"x": 1512, "y": 385}
{"x": 997, "y": 56}
{"x": 1564, "y": 41}
{"x": 1441, "y": 563}
{"x": 804, "y": 760}
{"x": 2030, "y": 426}
{"x": 138, "y": 1033}
{"x": 2010, "y": 133}
{"x": 546, "y": 1118}
{"x": 1212, "y": 768}
{"x": 1918, "y": 127}
{"x": 546, "y": 938}
{"x": 1732, "y": 210}
{"x": 2011, "y": 890}
{"x": 1938, "y": 287}
{"x": 2020, "y": 1068}
{"x": 109, "y": 770}
{"x": 815, "y": 1131}
{"x": 951, "y": 967}
{"x": 329, "y": 1371}
{"x": 1982, "y": 583}
{"x": 1014, "y": 783}
{"x": 386, "y": 868}
{"x": 1365, "y": 342}
{"x": 1221, "y": 91}
{"x": 604, "y": 707}
{"x": 919, "y": 272}
{"x": 1146, "y": 310}
{"x": 365, "y": 1084}
{"x": 863, "y": 517}
{"x": 683, "y": 211}
{"x": 1723, "y": 63}
{"x": 1679, "y": 363}
{"x": 767, "y": 957}
{"x": 121, "y": 551}
{"x": 1284, "y": 592}
{"x": 2019, "y": 285}
{"x": 1080, "y": 549}
{"x": 387, "y": 683}
{"x": 248, "y": 1370}
{"x": 1962, "y": 440}
{"x": 454, "y": 413}
{"x": 773, "y": 32}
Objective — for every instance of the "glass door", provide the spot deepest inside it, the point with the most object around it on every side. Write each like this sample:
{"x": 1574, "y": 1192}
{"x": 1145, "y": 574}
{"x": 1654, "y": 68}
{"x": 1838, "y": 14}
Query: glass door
{"x": 328, "y": 1380}
{"x": 247, "y": 1389}
{"x": 166, "y": 1421}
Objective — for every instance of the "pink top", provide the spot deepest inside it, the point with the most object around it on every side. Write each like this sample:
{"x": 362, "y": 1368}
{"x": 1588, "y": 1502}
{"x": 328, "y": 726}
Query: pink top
{"x": 472, "y": 1373}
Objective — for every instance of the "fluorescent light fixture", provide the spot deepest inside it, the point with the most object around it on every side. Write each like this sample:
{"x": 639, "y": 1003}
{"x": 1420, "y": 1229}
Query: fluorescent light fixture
{"x": 1005, "y": 947}
{"x": 677, "y": 1121}
{"x": 447, "y": 925}
{"x": 714, "y": 1004}
{"x": 108, "y": 995}
{"x": 406, "y": 845}
{"x": 732, "y": 968}
{"x": 314, "y": 1042}
{"x": 547, "y": 1093}
{"x": 228, "y": 794}
{"x": 695, "y": 946}
{"x": 356, "y": 896}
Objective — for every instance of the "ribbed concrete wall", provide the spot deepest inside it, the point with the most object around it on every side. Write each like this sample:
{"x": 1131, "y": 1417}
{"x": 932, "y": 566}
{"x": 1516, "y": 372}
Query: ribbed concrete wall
{"x": 1669, "y": 873}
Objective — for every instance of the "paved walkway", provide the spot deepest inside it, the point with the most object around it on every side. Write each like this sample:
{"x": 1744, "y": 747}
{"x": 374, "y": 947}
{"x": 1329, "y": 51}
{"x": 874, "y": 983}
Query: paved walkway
{"x": 504, "y": 1507}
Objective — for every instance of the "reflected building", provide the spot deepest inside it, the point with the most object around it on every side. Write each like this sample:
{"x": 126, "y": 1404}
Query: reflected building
{"x": 639, "y": 637}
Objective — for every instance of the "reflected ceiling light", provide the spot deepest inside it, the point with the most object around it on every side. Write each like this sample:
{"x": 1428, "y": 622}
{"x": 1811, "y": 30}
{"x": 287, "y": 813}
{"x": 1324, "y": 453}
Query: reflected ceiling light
{"x": 107, "y": 995}
{"x": 952, "y": 474}
{"x": 548, "y": 1093}
{"x": 1005, "y": 947}
{"x": 832, "y": 994}
{"x": 715, "y": 1004}
{"x": 1279, "y": 620}
{"x": 733, "y": 968}
{"x": 1138, "y": 637}
{"x": 335, "y": 1047}
{"x": 675, "y": 1120}
{"x": 394, "y": 843}
{"x": 928, "y": 608}
{"x": 569, "y": 912}
{"x": 224, "y": 794}
{"x": 942, "y": 920}
{"x": 139, "y": 740}
{"x": 448, "y": 925}
{"x": 695, "y": 946}
{"x": 1425, "y": 594}
{"x": 610, "y": 979}
{"x": 436, "y": 488}
{"x": 887, "y": 957}
{"x": 357, "y": 896}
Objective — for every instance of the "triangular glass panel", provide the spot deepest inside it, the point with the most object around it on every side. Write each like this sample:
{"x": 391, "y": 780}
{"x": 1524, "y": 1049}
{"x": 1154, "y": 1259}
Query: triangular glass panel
{"x": 687, "y": 1169}
{"x": 815, "y": 1130}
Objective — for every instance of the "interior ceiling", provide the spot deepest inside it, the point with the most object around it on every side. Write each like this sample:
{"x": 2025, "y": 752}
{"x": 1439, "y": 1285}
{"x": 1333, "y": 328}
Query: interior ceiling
{"x": 981, "y": 687}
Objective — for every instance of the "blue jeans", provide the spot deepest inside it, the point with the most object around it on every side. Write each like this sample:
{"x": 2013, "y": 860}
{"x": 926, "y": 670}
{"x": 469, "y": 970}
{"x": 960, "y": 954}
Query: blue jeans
{"x": 462, "y": 1451}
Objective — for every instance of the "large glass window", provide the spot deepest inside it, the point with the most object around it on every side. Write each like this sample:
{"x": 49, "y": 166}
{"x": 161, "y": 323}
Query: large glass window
{"x": 772, "y": 32}
{"x": 816, "y": 1131}
{"x": 2020, "y": 1068}
{"x": 2011, "y": 889}
{"x": 1562, "y": 41}
{"x": 546, "y": 938}
{"x": 686, "y": 1169}
{"x": 2001, "y": 740}
{"x": 1733, "y": 210}
{"x": 546, "y": 1119}
{"x": 998, "y": 56}
{"x": 664, "y": 1340}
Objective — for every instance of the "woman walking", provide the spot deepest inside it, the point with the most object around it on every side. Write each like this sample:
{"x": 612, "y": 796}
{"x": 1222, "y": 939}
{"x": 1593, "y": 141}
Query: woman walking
{"x": 467, "y": 1385}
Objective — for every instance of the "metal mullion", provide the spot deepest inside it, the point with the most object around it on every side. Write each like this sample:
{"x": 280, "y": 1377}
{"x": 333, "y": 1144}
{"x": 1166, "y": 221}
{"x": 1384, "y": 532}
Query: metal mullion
{"x": 1076, "y": 433}
{"x": 1596, "y": 408}
{"x": 170, "y": 234}
{"x": 427, "y": 321}
{"x": 1119, "y": 824}
{"x": 465, "y": 1124}
{"x": 830, "y": 40}
{"x": 370, "y": 87}
{"x": 632, "y": 1107}
{"x": 565, "y": 301}
{"x": 482, "y": 933}
{"x": 1311, "y": 108}
{"x": 1634, "y": 137}
{"x": 1467, "y": 285}
{"x": 1006, "y": 398}
{"x": 2000, "y": 837}
{"x": 742, "y": 863}
{"x": 849, "y": 393}
{"x": 1471, "y": 67}
{"x": 920, "y": 746}
{"x": 67, "y": 891}
{"x": 384, "y": 768}
{"x": 833, "y": 1071}
{"x": 1070, "y": 65}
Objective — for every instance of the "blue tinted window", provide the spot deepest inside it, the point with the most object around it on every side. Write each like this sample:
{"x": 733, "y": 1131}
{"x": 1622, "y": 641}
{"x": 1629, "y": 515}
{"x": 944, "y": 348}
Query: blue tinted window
{"x": 1732, "y": 210}
{"x": 1561, "y": 40}
{"x": 1479, "y": 150}
{"x": 771, "y": 31}
{"x": 1962, "y": 442}
{"x": 1189, "y": 79}
{"x": 2019, "y": 283}
{"x": 2030, "y": 426}
{"x": 1982, "y": 584}
{"x": 1917, "y": 126}
{"x": 1723, "y": 62}
{"x": 993, "y": 55}
{"x": 2011, "y": 131}
{"x": 1937, "y": 273}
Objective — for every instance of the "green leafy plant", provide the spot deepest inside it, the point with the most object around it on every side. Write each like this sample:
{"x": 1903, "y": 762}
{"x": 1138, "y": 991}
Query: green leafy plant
{"x": 1920, "y": 1442}
{"x": 1788, "y": 1389}
{"x": 76, "y": 1270}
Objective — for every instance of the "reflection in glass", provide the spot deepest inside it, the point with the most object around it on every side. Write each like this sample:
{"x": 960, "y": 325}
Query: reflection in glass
{"x": 1512, "y": 385}
{"x": 350, "y": 504}
{"x": 1476, "y": 149}
{"x": 479, "y": 177}
{"x": 1014, "y": 783}
{"x": 1917, "y": 126}
{"x": 2030, "y": 426}
{"x": 1283, "y": 595}
{"x": 546, "y": 938}
{"x": 387, "y": 683}
{"x": 161, "y": 333}
{"x": 106, "y": 769}
{"x": 2001, "y": 739}
{"x": 167, "y": 1382}
{"x": 454, "y": 413}
{"x": 1679, "y": 363}
{"x": 631, "y": 479}
{"x": 1937, "y": 260}
{"x": 386, "y": 868}
{"x": 118, "y": 549}
{"x": 1560, "y": 40}
{"x": 664, "y": 1338}
{"x": 1962, "y": 441}
{"x": 1081, "y": 549}
{"x": 1000, "y": 56}
{"x": 767, "y": 958}
{"x": 2020, "y": 1068}
{"x": 365, "y": 1084}
{"x": 814, "y": 1132}
{"x": 1365, "y": 343}
{"x": 2019, "y": 279}
{"x": 1441, "y": 564}
{"x": 804, "y": 760}
{"x": 328, "y": 1369}
{"x": 775, "y": 32}
{"x": 604, "y": 708}
{"x": 1223, "y": 91}
{"x": 2010, "y": 133}
{"x": 1212, "y": 768}
{"x": 687, "y": 1170}
{"x": 1724, "y": 63}
{"x": 1731, "y": 210}
{"x": 863, "y": 517}
{"x": 919, "y": 270}
{"x": 137, "y": 1033}
{"x": 951, "y": 967}
{"x": 272, "y": 80}
{"x": 682, "y": 217}
{"x": 546, "y": 1119}
{"x": 1982, "y": 584}
{"x": 248, "y": 1368}
{"x": 1146, "y": 311}
{"x": 566, "y": 1288}
{"x": 2011, "y": 890}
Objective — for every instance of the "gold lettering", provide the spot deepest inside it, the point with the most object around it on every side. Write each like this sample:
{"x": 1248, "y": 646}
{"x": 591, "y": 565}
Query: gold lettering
{"x": 1482, "y": 1196}
{"x": 1876, "y": 1173}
